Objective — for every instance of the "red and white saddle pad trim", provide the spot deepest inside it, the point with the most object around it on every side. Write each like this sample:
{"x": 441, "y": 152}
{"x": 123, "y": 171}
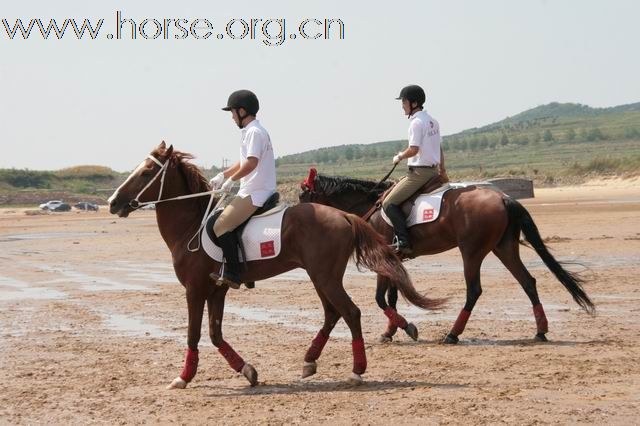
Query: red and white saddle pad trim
{"x": 261, "y": 237}
{"x": 426, "y": 208}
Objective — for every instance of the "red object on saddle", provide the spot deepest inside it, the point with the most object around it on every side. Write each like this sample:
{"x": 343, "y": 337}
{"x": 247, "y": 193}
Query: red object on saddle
{"x": 395, "y": 318}
{"x": 267, "y": 248}
{"x": 309, "y": 181}
{"x": 235, "y": 361}
{"x": 317, "y": 345}
{"x": 359, "y": 356}
{"x": 190, "y": 365}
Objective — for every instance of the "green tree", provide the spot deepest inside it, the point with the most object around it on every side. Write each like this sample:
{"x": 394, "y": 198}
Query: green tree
{"x": 504, "y": 140}
{"x": 348, "y": 153}
{"x": 570, "y": 135}
{"x": 484, "y": 142}
{"x": 548, "y": 136}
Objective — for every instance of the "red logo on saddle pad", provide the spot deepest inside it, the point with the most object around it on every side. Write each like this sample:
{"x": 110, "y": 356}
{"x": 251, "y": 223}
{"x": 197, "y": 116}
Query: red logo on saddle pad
{"x": 427, "y": 214}
{"x": 267, "y": 248}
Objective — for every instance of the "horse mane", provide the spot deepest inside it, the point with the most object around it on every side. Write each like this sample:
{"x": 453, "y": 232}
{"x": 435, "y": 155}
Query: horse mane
{"x": 333, "y": 185}
{"x": 196, "y": 180}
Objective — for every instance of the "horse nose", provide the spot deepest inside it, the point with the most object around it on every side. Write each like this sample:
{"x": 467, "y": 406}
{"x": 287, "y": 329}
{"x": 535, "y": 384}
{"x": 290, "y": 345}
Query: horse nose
{"x": 113, "y": 201}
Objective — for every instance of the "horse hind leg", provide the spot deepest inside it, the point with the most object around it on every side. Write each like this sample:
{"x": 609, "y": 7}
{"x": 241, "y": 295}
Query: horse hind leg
{"x": 510, "y": 257}
{"x": 334, "y": 291}
{"x": 331, "y": 317}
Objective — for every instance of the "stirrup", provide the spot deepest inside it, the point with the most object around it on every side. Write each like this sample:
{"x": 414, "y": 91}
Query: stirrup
{"x": 399, "y": 248}
{"x": 219, "y": 278}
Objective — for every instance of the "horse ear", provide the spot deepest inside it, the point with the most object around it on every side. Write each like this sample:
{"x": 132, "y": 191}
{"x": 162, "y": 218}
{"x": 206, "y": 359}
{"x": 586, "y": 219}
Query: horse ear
{"x": 162, "y": 146}
{"x": 169, "y": 151}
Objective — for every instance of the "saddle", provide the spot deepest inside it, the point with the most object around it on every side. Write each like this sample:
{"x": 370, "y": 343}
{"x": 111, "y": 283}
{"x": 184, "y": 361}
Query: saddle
{"x": 271, "y": 203}
{"x": 431, "y": 185}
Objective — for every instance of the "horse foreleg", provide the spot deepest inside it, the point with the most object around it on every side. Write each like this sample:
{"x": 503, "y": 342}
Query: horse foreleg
{"x": 395, "y": 320}
{"x": 215, "y": 306}
{"x": 195, "y": 305}
{"x": 331, "y": 317}
{"x": 474, "y": 290}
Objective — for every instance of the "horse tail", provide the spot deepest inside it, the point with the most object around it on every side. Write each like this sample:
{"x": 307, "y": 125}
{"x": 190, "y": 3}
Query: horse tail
{"x": 372, "y": 252}
{"x": 571, "y": 281}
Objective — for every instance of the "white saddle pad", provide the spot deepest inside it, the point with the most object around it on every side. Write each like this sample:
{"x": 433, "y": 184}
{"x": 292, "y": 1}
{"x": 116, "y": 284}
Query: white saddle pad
{"x": 426, "y": 208}
{"x": 261, "y": 237}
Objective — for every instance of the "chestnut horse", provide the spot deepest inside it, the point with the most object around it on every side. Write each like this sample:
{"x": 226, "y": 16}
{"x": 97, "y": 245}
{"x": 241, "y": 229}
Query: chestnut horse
{"x": 317, "y": 238}
{"x": 474, "y": 219}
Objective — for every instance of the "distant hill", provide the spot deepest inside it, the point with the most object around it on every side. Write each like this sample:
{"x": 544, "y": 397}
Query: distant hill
{"x": 544, "y": 143}
{"x": 557, "y": 142}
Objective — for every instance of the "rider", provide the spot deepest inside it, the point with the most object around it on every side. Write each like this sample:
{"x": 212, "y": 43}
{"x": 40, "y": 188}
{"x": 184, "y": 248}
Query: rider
{"x": 426, "y": 160}
{"x": 256, "y": 172}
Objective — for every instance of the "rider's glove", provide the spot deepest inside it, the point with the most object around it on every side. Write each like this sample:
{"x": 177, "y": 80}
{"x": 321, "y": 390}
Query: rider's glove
{"x": 217, "y": 181}
{"x": 228, "y": 185}
{"x": 397, "y": 158}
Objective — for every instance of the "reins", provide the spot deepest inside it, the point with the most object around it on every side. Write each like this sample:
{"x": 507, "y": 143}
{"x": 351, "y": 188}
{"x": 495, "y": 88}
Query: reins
{"x": 136, "y": 204}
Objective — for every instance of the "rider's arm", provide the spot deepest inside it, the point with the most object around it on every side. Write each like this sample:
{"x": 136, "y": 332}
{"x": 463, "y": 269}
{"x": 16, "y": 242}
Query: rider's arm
{"x": 245, "y": 169}
{"x": 409, "y": 152}
{"x": 232, "y": 170}
{"x": 441, "y": 159}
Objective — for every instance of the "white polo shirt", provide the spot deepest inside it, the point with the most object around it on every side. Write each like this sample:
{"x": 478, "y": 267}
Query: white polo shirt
{"x": 424, "y": 132}
{"x": 261, "y": 182}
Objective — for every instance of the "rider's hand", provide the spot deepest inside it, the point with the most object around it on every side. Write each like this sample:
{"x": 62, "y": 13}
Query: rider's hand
{"x": 228, "y": 185}
{"x": 217, "y": 181}
{"x": 397, "y": 158}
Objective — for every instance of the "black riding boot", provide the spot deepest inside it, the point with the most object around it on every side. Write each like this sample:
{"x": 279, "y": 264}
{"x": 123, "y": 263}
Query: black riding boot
{"x": 401, "y": 241}
{"x": 229, "y": 244}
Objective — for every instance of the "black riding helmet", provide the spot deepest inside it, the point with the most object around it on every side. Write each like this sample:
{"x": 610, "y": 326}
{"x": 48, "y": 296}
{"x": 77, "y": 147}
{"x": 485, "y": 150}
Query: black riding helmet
{"x": 243, "y": 99}
{"x": 413, "y": 93}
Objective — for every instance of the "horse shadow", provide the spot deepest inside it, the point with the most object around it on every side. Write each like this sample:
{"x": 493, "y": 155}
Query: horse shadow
{"x": 498, "y": 342}
{"x": 301, "y": 386}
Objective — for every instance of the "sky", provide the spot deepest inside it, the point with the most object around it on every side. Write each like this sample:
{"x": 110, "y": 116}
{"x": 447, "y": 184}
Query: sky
{"x": 110, "y": 102}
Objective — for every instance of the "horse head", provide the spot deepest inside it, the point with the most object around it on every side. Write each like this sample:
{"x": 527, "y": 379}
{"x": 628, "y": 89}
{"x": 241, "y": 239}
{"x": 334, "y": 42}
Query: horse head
{"x": 144, "y": 184}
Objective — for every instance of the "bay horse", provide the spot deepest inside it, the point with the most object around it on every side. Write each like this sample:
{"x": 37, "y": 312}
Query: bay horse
{"x": 318, "y": 238}
{"x": 477, "y": 220}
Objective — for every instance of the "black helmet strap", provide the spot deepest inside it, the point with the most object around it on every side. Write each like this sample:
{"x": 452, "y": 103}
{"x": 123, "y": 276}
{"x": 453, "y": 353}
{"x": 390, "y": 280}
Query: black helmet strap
{"x": 414, "y": 109}
{"x": 240, "y": 118}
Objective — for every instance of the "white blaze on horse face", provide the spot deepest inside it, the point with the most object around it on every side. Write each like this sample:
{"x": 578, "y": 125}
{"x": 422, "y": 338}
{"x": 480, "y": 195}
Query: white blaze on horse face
{"x": 131, "y": 176}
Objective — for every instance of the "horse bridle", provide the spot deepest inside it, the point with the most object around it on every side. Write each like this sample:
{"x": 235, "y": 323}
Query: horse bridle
{"x": 135, "y": 203}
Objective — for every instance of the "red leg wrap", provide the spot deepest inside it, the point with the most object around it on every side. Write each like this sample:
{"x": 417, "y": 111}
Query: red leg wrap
{"x": 541, "y": 319}
{"x": 395, "y": 318}
{"x": 234, "y": 360}
{"x": 190, "y": 365}
{"x": 317, "y": 345}
{"x": 359, "y": 356}
{"x": 391, "y": 329}
{"x": 461, "y": 322}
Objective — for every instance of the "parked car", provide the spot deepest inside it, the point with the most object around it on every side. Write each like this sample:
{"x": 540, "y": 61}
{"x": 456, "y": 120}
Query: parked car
{"x": 64, "y": 207}
{"x": 51, "y": 205}
{"x": 84, "y": 205}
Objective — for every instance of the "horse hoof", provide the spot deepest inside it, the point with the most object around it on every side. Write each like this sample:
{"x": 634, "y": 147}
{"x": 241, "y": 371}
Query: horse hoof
{"x": 412, "y": 331}
{"x": 250, "y": 373}
{"x": 540, "y": 337}
{"x": 177, "y": 383}
{"x": 309, "y": 369}
{"x": 450, "y": 339}
{"x": 385, "y": 339}
{"x": 355, "y": 379}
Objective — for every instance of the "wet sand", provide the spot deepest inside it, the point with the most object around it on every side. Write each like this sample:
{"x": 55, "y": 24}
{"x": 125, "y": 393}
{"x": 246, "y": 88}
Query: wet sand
{"x": 93, "y": 327}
